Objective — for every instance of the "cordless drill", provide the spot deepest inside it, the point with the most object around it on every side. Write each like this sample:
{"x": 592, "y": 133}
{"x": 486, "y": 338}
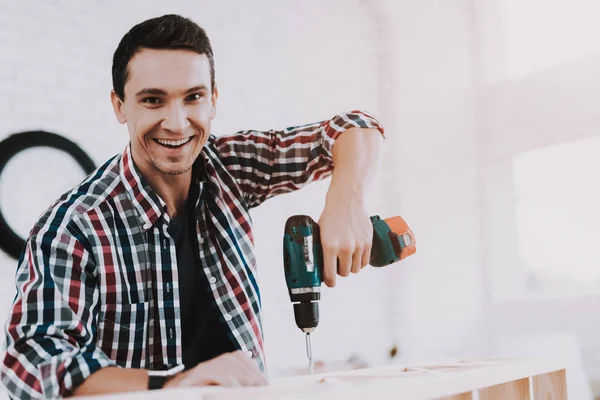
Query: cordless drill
{"x": 303, "y": 262}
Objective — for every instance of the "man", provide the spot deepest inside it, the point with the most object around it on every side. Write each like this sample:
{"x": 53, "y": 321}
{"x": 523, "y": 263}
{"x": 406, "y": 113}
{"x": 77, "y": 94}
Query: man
{"x": 143, "y": 276}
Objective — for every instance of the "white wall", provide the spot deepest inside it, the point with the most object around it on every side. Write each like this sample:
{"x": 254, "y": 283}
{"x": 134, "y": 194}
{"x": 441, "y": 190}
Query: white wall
{"x": 439, "y": 292}
{"x": 541, "y": 89}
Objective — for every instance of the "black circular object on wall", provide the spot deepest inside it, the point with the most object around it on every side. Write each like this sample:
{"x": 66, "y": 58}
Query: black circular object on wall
{"x": 10, "y": 242}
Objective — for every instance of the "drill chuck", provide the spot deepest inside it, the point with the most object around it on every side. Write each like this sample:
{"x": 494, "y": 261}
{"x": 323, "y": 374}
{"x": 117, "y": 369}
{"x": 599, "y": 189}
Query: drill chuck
{"x": 307, "y": 315}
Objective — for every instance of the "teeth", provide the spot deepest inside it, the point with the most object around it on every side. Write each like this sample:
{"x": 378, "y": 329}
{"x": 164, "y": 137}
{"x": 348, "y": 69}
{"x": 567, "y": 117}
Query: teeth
{"x": 173, "y": 142}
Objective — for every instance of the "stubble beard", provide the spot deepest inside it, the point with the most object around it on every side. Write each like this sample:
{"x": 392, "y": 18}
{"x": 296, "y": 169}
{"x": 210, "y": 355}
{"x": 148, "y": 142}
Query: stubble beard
{"x": 175, "y": 167}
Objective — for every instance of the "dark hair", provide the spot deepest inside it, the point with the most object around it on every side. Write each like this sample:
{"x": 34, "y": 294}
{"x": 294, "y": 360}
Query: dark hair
{"x": 169, "y": 32}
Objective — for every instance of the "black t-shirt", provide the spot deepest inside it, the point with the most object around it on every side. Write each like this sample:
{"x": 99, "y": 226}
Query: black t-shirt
{"x": 205, "y": 334}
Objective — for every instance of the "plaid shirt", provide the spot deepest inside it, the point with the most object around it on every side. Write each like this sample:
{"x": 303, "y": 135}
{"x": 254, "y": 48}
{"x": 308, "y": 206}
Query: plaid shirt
{"x": 97, "y": 282}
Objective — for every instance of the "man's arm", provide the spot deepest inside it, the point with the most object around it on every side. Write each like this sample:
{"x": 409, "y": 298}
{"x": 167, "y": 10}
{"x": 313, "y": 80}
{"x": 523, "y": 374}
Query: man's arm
{"x": 229, "y": 369}
{"x": 268, "y": 163}
{"x": 51, "y": 349}
{"x": 346, "y": 230}
{"x": 50, "y": 341}
{"x": 113, "y": 380}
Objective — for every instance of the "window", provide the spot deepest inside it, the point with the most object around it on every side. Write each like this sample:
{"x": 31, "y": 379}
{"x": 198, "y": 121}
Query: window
{"x": 557, "y": 196}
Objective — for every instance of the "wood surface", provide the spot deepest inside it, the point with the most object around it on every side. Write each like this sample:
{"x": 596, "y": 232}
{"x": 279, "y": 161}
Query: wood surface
{"x": 518, "y": 390}
{"x": 551, "y": 386}
{"x": 462, "y": 396}
{"x": 448, "y": 380}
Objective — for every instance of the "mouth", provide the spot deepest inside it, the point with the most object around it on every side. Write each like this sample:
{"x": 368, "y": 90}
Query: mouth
{"x": 173, "y": 144}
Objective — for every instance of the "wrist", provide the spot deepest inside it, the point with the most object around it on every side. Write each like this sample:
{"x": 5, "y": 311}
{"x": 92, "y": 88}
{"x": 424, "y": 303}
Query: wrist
{"x": 342, "y": 194}
{"x": 159, "y": 378}
{"x": 175, "y": 380}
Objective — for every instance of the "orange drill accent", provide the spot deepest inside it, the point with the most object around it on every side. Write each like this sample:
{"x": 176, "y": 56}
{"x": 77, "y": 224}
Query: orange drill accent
{"x": 400, "y": 227}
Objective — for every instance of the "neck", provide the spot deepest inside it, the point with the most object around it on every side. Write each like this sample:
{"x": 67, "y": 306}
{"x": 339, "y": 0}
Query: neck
{"x": 172, "y": 189}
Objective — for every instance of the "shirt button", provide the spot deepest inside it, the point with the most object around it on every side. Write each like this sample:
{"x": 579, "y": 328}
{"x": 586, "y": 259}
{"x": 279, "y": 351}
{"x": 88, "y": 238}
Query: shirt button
{"x": 249, "y": 353}
{"x": 212, "y": 279}
{"x": 201, "y": 240}
{"x": 168, "y": 287}
{"x": 171, "y": 333}
{"x": 228, "y": 317}
{"x": 146, "y": 226}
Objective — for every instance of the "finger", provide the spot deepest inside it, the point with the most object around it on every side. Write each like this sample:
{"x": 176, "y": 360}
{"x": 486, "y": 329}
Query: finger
{"x": 231, "y": 375}
{"x": 198, "y": 376}
{"x": 329, "y": 265}
{"x": 246, "y": 362}
{"x": 233, "y": 380}
{"x": 246, "y": 378}
{"x": 239, "y": 371}
{"x": 366, "y": 257}
{"x": 249, "y": 363}
{"x": 357, "y": 260}
{"x": 203, "y": 379}
{"x": 257, "y": 379}
{"x": 345, "y": 265}
{"x": 252, "y": 375}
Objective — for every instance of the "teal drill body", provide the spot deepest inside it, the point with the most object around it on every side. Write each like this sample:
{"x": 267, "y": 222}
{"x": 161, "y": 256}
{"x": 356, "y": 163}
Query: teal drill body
{"x": 303, "y": 254}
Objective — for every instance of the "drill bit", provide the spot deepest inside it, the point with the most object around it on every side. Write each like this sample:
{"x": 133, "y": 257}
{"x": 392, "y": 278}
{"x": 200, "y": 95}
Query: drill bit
{"x": 309, "y": 354}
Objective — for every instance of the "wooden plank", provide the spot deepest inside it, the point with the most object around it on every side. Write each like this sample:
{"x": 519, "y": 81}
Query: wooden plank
{"x": 462, "y": 396}
{"x": 551, "y": 386}
{"x": 514, "y": 390}
{"x": 447, "y": 380}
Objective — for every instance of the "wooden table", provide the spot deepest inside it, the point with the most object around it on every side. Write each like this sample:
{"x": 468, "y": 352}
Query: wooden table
{"x": 521, "y": 379}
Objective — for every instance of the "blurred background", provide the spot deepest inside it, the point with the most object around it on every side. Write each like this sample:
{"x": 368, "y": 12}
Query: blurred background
{"x": 491, "y": 156}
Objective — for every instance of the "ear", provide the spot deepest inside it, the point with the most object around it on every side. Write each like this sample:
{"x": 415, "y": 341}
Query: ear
{"x": 118, "y": 106}
{"x": 214, "y": 97}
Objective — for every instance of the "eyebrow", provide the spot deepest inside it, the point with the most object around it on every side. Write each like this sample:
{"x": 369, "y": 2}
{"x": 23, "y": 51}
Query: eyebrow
{"x": 160, "y": 92}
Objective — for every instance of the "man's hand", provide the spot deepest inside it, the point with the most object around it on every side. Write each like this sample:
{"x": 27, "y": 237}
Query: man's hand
{"x": 346, "y": 230}
{"x": 229, "y": 369}
{"x": 346, "y": 236}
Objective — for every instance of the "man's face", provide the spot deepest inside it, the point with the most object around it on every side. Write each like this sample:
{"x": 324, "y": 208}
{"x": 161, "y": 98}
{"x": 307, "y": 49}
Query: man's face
{"x": 168, "y": 109}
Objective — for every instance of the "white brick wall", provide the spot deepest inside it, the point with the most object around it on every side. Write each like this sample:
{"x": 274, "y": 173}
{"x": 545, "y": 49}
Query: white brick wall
{"x": 278, "y": 64}
{"x": 556, "y": 103}
{"x": 439, "y": 291}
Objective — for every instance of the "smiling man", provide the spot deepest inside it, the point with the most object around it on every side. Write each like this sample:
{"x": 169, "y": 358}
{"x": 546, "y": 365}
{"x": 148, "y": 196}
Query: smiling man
{"x": 144, "y": 275}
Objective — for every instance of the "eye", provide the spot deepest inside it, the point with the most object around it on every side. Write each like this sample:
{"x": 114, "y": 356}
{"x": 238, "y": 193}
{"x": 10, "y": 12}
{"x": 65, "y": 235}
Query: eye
{"x": 151, "y": 100}
{"x": 195, "y": 96}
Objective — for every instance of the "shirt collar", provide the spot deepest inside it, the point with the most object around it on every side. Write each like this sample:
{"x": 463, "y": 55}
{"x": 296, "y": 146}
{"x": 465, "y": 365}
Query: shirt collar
{"x": 148, "y": 204}
{"x": 207, "y": 169}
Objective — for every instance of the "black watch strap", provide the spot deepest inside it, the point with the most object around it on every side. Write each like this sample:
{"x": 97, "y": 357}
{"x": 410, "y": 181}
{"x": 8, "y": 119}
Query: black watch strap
{"x": 156, "y": 382}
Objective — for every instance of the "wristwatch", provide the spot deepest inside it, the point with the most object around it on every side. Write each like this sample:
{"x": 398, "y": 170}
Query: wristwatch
{"x": 157, "y": 378}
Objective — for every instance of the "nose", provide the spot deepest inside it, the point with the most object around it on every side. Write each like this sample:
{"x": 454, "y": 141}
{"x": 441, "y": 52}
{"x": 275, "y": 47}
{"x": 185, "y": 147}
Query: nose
{"x": 176, "y": 119}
